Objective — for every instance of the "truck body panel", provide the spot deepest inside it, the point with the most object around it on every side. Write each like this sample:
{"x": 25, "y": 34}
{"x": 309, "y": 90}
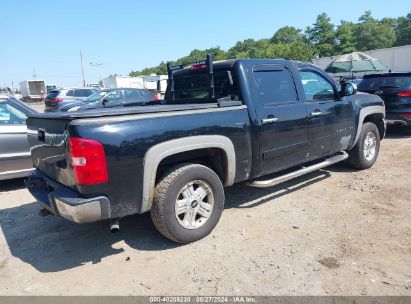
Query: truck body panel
{"x": 271, "y": 121}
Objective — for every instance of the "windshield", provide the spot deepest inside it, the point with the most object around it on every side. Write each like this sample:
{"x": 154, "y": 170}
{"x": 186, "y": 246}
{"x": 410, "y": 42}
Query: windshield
{"x": 96, "y": 96}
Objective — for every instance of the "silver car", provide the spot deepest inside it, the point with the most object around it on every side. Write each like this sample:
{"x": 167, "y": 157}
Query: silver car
{"x": 15, "y": 160}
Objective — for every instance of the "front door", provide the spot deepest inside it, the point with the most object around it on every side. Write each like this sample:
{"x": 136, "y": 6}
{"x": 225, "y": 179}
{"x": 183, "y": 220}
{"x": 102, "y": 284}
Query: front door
{"x": 282, "y": 119}
{"x": 14, "y": 146}
{"x": 330, "y": 117}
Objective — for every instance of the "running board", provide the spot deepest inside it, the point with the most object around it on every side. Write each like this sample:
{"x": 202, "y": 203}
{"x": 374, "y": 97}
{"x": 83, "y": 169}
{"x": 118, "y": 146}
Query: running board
{"x": 283, "y": 178}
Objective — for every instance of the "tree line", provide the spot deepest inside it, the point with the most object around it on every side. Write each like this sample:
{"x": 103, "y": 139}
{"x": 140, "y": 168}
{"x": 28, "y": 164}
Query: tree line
{"x": 321, "y": 39}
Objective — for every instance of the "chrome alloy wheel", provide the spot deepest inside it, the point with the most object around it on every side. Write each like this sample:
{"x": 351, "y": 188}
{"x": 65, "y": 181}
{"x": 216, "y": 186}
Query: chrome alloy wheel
{"x": 194, "y": 204}
{"x": 370, "y": 146}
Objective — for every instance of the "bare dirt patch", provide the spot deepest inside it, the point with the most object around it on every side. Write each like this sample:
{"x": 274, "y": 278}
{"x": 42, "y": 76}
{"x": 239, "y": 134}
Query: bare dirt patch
{"x": 333, "y": 232}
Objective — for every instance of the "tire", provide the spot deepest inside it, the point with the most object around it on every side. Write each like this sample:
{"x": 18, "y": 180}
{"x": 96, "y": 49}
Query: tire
{"x": 361, "y": 158}
{"x": 174, "y": 194}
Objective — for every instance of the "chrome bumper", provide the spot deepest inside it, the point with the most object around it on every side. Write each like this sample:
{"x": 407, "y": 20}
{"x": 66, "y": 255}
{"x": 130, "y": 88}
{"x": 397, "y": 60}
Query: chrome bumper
{"x": 65, "y": 202}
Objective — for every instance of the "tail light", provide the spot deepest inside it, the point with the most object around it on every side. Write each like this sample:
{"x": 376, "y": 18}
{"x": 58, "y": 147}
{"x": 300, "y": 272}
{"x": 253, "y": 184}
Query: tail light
{"x": 198, "y": 67}
{"x": 57, "y": 99}
{"x": 88, "y": 161}
{"x": 404, "y": 94}
{"x": 406, "y": 115}
{"x": 155, "y": 98}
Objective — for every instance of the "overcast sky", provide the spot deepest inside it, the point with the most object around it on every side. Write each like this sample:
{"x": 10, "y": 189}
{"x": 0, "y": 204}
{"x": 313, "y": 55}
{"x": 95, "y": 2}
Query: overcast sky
{"x": 46, "y": 36}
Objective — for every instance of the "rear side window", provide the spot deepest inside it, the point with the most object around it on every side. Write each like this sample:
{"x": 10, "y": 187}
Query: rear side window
{"x": 274, "y": 85}
{"x": 144, "y": 92}
{"x": 375, "y": 83}
{"x": 53, "y": 94}
{"x": 131, "y": 94}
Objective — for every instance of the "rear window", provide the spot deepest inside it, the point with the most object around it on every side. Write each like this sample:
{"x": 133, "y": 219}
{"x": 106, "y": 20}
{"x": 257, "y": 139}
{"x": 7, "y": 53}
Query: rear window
{"x": 196, "y": 85}
{"x": 52, "y": 94}
{"x": 82, "y": 93}
{"x": 375, "y": 83}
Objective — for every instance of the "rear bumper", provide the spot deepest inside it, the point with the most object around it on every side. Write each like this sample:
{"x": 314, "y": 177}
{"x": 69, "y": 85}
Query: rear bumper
{"x": 396, "y": 118}
{"x": 63, "y": 201}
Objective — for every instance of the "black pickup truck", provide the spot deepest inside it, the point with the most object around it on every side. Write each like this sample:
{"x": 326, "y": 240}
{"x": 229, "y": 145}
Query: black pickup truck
{"x": 264, "y": 121}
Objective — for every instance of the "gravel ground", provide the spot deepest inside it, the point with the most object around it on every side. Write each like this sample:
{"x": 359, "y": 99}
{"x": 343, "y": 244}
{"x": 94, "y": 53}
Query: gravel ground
{"x": 333, "y": 232}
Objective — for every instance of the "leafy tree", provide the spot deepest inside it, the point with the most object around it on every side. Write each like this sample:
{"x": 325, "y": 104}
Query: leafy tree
{"x": 366, "y": 17}
{"x": 288, "y": 34}
{"x": 403, "y": 30}
{"x": 370, "y": 34}
{"x": 345, "y": 38}
{"x": 322, "y": 35}
{"x": 241, "y": 48}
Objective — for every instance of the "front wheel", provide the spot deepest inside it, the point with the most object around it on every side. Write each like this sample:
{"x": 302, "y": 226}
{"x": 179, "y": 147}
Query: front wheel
{"x": 188, "y": 202}
{"x": 365, "y": 152}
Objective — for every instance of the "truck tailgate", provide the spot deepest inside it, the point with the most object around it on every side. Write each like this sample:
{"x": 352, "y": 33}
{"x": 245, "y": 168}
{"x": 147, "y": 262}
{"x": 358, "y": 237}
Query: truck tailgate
{"x": 47, "y": 140}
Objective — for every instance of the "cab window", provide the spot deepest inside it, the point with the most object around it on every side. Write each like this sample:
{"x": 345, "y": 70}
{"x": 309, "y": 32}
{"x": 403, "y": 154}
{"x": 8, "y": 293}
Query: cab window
{"x": 274, "y": 85}
{"x": 316, "y": 87}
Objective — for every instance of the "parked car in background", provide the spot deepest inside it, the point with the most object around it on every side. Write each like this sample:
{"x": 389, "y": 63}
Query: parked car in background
{"x": 15, "y": 159}
{"x": 110, "y": 98}
{"x": 51, "y": 87}
{"x": 56, "y": 99}
{"x": 395, "y": 89}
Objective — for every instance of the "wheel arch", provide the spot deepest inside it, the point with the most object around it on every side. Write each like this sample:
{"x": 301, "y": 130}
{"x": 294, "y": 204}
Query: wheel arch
{"x": 156, "y": 154}
{"x": 374, "y": 114}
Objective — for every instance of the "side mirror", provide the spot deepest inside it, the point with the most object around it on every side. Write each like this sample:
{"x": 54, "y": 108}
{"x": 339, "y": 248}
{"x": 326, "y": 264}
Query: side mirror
{"x": 348, "y": 89}
{"x": 104, "y": 101}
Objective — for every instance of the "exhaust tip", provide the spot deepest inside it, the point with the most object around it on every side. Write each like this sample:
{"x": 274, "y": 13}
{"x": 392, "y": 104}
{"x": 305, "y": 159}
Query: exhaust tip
{"x": 115, "y": 225}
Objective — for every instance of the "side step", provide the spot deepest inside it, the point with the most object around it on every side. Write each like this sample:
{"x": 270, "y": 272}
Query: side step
{"x": 283, "y": 178}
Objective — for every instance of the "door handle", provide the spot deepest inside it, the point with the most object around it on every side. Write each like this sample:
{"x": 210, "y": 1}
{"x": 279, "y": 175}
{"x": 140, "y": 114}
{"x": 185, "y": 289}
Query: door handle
{"x": 269, "y": 120}
{"x": 316, "y": 113}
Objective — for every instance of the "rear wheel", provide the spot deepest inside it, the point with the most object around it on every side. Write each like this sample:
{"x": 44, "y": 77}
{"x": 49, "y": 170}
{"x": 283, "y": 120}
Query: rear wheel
{"x": 188, "y": 203}
{"x": 365, "y": 152}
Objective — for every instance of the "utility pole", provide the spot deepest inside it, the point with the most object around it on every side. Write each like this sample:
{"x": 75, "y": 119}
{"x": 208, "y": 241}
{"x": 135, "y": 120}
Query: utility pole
{"x": 34, "y": 74}
{"x": 82, "y": 68}
{"x": 98, "y": 65}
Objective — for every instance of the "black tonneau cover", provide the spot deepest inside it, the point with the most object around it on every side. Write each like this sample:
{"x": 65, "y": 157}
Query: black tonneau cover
{"x": 103, "y": 112}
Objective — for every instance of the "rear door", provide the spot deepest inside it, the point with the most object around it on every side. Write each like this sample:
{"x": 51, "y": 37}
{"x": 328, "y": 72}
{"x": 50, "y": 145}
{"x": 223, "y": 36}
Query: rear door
{"x": 14, "y": 147}
{"x": 282, "y": 118}
{"x": 330, "y": 117}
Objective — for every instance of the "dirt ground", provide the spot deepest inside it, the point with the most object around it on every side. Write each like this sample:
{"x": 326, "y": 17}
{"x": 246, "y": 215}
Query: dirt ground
{"x": 333, "y": 232}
